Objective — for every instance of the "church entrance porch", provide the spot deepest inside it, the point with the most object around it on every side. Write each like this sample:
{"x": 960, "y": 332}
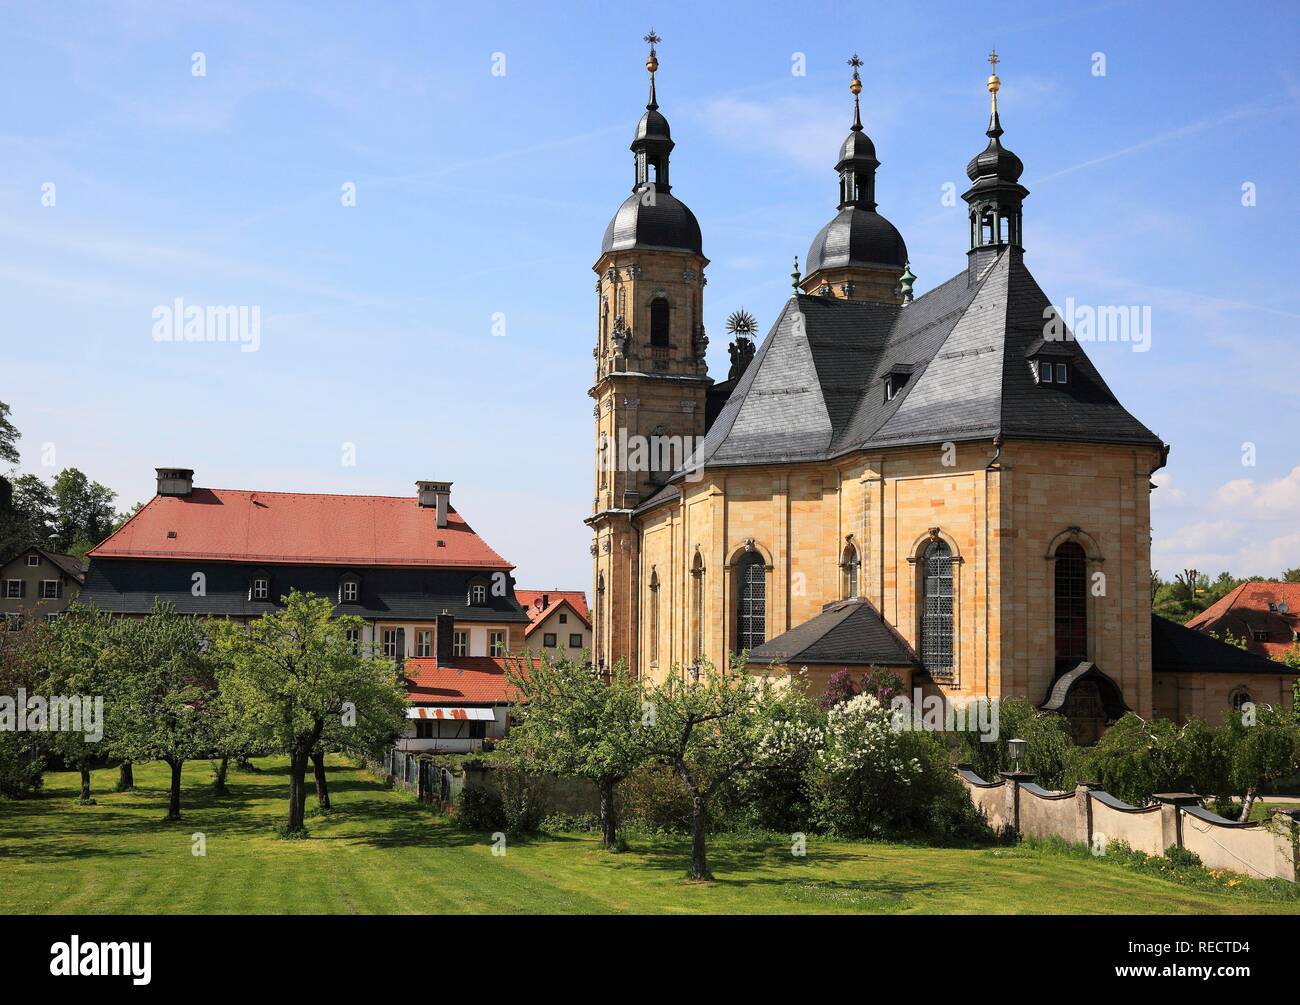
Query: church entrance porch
{"x": 1089, "y": 699}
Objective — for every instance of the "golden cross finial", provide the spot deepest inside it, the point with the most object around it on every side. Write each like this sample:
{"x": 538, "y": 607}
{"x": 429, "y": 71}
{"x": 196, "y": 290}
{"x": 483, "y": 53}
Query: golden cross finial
{"x": 994, "y": 83}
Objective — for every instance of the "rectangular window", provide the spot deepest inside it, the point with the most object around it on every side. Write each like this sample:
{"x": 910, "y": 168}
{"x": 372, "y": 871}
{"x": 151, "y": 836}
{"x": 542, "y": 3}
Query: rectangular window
{"x": 390, "y": 643}
{"x": 575, "y": 641}
{"x": 52, "y": 617}
{"x": 1260, "y": 636}
{"x": 564, "y": 619}
{"x": 424, "y": 729}
{"x": 496, "y": 643}
{"x": 478, "y": 594}
{"x": 261, "y": 589}
{"x": 13, "y": 589}
{"x": 350, "y": 592}
{"x": 477, "y": 729}
{"x": 548, "y": 640}
{"x": 424, "y": 643}
{"x": 33, "y": 561}
{"x": 51, "y": 589}
{"x": 353, "y": 636}
{"x": 1060, "y": 373}
{"x": 1045, "y": 372}
{"x": 460, "y": 643}
{"x": 13, "y": 622}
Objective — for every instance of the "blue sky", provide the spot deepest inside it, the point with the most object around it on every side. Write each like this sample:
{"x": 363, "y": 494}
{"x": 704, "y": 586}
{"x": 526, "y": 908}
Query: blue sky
{"x": 481, "y": 194}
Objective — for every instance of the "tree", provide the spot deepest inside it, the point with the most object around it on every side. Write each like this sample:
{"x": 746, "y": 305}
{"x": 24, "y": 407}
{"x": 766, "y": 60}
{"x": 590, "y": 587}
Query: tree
{"x": 1261, "y": 745}
{"x": 9, "y": 437}
{"x": 713, "y": 729}
{"x": 72, "y": 650}
{"x": 569, "y": 721}
{"x": 84, "y": 513}
{"x": 162, "y": 694}
{"x": 294, "y": 672}
{"x": 22, "y": 752}
{"x": 1291, "y": 575}
{"x": 34, "y": 502}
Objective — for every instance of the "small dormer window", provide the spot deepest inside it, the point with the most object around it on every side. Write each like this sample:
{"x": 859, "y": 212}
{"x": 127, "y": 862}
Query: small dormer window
{"x": 261, "y": 588}
{"x": 349, "y": 590}
{"x": 478, "y": 594}
{"x": 1062, "y": 372}
{"x": 896, "y": 379}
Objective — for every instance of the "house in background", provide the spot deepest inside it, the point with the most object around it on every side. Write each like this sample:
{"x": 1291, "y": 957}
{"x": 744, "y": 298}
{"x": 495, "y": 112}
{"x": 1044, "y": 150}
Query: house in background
{"x": 1265, "y": 614}
{"x": 38, "y": 583}
{"x": 397, "y": 562}
{"x": 557, "y": 619}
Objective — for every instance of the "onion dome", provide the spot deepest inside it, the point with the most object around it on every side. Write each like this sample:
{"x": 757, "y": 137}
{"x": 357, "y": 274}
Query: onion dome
{"x": 858, "y": 235}
{"x": 651, "y": 217}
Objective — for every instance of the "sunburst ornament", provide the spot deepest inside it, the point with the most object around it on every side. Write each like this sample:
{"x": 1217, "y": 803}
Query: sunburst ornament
{"x": 742, "y": 324}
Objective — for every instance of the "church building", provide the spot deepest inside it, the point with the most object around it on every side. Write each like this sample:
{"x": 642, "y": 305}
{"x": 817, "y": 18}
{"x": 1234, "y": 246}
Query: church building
{"x": 941, "y": 485}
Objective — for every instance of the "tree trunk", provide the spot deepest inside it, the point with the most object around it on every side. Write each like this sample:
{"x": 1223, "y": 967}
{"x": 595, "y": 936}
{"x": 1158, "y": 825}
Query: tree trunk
{"x": 244, "y": 764}
{"x": 318, "y": 768}
{"x": 1248, "y": 803}
{"x": 85, "y": 785}
{"x": 125, "y": 777}
{"x": 174, "y": 799}
{"x": 219, "y": 777}
{"x": 608, "y": 815}
{"x": 297, "y": 789}
{"x": 699, "y": 856}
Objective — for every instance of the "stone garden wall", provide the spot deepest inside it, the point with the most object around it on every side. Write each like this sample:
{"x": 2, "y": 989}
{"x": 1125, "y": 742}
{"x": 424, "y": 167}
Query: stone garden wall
{"x": 1015, "y": 805}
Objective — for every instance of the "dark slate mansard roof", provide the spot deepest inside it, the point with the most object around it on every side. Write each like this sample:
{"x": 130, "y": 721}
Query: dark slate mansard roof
{"x": 815, "y": 388}
{"x": 130, "y": 586}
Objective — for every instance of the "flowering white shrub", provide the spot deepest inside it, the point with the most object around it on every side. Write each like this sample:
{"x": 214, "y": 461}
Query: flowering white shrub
{"x": 860, "y": 736}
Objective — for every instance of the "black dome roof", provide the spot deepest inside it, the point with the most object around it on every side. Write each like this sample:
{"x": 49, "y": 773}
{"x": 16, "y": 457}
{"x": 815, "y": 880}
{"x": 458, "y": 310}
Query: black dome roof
{"x": 653, "y": 124}
{"x": 668, "y": 223}
{"x": 857, "y": 145}
{"x": 995, "y": 160}
{"x": 856, "y": 237}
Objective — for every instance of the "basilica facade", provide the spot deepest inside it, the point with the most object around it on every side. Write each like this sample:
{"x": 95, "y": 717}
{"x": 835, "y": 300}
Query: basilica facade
{"x": 939, "y": 485}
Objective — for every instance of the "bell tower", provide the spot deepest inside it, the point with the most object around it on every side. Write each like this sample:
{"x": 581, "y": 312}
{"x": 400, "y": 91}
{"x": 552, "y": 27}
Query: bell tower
{"x": 651, "y": 378}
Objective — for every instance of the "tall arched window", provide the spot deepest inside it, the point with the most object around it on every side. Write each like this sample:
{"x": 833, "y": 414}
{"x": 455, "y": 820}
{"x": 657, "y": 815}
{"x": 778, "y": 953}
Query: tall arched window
{"x": 751, "y": 602}
{"x": 1071, "y": 606}
{"x": 849, "y": 566}
{"x": 697, "y": 603}
{"x": 659, "y": 323}
{"x": 936, "y": 610}
{"x": 654, "y": 617}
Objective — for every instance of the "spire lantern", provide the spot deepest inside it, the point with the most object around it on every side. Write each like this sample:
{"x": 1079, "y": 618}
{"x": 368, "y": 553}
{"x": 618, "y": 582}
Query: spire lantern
{"x": 995, "y": 195}
{"x": 653, "y": 140}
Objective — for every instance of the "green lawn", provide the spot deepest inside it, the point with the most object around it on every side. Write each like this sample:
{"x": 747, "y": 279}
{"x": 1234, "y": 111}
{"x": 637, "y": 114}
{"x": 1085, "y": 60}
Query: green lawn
{"x": 380, "y": 851}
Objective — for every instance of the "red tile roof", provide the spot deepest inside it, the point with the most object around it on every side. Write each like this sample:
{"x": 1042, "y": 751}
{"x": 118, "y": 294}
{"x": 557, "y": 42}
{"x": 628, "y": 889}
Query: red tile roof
{"x": 232, "y": 525}
{"x": 467, "y": 680}
{"x": 531, "y": 601}
{"x": 1246, "y": 610}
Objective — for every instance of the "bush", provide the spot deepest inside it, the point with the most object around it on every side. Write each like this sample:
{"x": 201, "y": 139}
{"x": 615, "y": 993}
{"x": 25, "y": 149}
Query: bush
{"x": 655, "y": 799}
{"x": 1051, "y": 755}
{"x": 872, "y": 780}
{"x": 523, "y": 803}
{"x": 479, "y": 809}
{"x": 22, "y": 766}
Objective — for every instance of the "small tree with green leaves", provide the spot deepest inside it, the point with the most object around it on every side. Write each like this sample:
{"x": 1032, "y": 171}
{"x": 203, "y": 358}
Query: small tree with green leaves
{"x": 724, "y": 724}
{"x": 570, "y": 721}
{"x": 294, "y": 673}
{"x": 162, "y": 700}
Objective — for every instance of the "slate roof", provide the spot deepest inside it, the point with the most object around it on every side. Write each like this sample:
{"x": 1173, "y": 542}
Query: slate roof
{"x": 815, "y": 389}
{"x": 539, "y": 613}
{"x": 850, "y": 632}
{"x": 130, "y": 586}
{"x": 234, "y": 525}
{"x": 1176, "y": 648}
{"x": 70, "y": 564}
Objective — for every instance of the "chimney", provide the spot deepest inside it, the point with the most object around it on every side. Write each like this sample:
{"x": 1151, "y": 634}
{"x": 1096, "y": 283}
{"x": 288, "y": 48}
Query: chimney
{"x": 175, "y": 481}
{"x": 435, "y": 495}
{"x": 546, "y": 601}
{"x": 443, "y": 639}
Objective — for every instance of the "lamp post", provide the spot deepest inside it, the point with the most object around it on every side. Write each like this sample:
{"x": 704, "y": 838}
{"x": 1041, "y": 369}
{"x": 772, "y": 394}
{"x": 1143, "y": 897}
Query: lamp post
{"x": 1016, "y": 748}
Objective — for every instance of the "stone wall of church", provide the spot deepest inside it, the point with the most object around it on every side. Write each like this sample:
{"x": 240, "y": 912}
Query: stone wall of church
{"x": 1183, "y": 696}
{"x": 1098, "y": 496}
{"x": 999, "y": 525}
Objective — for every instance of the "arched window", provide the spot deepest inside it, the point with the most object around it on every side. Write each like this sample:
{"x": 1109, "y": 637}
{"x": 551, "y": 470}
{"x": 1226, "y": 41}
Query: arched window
{"x": 654, "y": 617}
{"x": 751, "y": 602}
{"x": 849, "y": 565}
{"x": 936, "y": 610}
{"x": 697, "y": 603}
{"x": 659, "y": 323}
{"x": 1240, "y": 699}
{"x": 1071, "y": 606}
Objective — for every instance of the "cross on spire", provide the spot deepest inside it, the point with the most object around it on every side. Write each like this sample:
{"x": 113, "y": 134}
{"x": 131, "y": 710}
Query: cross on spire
{"x": 993, "y": 60}
{"x": 855, "y": 85}
{"x": 855, "y": 62}
{"x": 652, "y": 39}
{"x": 652, "y": 64}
